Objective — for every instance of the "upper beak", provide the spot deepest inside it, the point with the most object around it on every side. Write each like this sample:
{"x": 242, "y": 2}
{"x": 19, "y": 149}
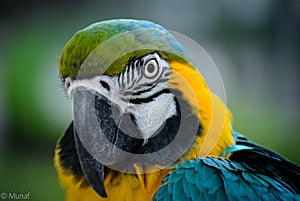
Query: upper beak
{"x": 92, "y": 169}
{"x": 98, "y": 135}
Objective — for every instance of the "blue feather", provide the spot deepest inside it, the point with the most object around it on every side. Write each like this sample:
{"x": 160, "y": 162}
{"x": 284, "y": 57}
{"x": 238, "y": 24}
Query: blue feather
{"x": 191, "y": 175}
{"x": 250, "y": 173}
{"x": 194, "y": 192}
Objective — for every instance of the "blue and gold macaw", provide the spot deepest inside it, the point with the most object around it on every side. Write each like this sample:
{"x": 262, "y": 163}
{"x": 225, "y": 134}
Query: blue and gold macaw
{"x": 136, "y": 72}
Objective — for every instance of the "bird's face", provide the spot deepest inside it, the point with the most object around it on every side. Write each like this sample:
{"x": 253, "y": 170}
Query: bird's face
{"x": 139, "y": 103}
{"x": 140, "y": 91}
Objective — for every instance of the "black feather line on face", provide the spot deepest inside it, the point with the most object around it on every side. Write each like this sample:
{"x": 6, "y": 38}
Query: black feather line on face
{"x": 134, "y": 64}
{"x": 150, "y": 98}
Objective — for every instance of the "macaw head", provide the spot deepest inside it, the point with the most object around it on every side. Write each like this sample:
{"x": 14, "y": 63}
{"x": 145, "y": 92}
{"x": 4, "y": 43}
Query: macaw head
{"x": 138, "y": 102}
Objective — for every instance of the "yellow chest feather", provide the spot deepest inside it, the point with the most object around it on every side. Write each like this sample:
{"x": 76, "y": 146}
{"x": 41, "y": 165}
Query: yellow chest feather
{"x": 123, "y": 187}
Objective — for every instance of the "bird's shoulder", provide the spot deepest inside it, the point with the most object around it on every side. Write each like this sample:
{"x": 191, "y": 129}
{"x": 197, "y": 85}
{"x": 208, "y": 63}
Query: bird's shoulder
{"x": 245, "y": 172}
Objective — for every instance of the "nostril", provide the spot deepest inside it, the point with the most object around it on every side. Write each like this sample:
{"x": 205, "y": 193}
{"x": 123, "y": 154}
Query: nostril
{"x": 105, "y": 85}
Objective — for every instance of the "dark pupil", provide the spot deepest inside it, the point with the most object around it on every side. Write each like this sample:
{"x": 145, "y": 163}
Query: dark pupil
{"x": 150, "y": 68}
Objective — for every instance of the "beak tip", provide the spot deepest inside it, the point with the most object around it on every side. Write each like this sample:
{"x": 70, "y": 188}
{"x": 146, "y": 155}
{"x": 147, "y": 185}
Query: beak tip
{"x": 101, "y": 192}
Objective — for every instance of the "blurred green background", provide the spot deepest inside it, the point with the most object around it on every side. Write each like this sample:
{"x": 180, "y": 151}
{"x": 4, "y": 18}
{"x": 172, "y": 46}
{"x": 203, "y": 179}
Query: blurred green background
{"x": 255, "y": 45}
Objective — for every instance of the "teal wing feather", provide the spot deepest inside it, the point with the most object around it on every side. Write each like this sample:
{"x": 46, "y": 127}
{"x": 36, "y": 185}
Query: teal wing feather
{"x": 250, "y": 173}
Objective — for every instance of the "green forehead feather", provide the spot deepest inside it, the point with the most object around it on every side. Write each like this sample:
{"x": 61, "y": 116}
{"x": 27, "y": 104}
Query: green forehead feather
{"x": 106, "y": 47}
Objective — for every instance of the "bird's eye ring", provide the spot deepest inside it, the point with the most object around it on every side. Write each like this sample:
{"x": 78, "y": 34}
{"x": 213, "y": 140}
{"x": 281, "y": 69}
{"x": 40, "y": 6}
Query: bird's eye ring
{"x": 151, "y": 68}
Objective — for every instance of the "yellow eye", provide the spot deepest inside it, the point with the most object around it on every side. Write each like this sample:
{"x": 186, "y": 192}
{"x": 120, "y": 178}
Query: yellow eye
{"x": 151, "y": 68}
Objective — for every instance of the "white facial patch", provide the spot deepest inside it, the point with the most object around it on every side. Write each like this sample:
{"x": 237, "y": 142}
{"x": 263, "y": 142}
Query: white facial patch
{"x": 151, "y": 116}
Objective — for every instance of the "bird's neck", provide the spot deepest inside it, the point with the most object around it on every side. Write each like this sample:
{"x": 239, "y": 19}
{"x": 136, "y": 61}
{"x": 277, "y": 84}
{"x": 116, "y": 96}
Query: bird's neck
{"x": 213, "y": 115}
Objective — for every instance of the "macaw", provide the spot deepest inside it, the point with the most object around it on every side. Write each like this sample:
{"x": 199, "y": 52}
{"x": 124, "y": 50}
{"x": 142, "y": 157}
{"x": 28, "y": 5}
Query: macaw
{"x": 147, "y": 127}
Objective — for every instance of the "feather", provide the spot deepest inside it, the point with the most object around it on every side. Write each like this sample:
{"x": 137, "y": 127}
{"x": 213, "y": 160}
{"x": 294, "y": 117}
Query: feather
{"x": 214, "y": 178}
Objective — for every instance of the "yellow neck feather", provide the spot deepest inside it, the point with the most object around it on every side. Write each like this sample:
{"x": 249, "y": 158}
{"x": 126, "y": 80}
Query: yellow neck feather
{"x": 213, "y": 114}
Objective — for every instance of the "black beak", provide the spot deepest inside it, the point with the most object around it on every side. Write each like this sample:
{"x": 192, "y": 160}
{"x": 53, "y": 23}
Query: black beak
{"x": 92, "y": 169}
{"x": 97, "y": 122}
